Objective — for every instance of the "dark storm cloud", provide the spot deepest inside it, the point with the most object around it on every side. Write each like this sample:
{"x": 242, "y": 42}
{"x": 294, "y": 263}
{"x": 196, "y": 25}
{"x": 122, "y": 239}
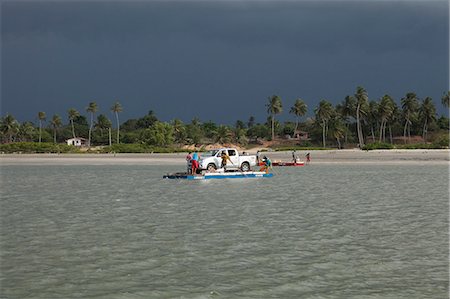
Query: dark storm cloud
{"x": 318, "y": 25}
{"x": 158, "y": 55}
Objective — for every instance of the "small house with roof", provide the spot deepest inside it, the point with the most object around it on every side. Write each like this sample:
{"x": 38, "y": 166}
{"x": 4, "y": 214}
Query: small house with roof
{"x": 77, "y": 141}
{"x": 301, "y": 135}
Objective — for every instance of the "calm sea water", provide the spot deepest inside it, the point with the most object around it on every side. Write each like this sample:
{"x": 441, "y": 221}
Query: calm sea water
{"x": 321, "y": 231}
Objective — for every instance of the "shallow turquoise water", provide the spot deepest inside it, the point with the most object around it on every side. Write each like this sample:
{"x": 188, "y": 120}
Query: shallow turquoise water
{"x": 321, "y": 231}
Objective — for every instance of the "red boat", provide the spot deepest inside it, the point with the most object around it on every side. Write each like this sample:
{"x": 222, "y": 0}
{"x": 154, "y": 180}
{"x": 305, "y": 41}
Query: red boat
{"x": 279, "y": 163}
{"x": 288, "y": 163}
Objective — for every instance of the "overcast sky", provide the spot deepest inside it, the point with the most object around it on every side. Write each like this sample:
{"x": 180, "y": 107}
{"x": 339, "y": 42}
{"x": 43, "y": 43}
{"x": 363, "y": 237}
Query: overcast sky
{"x": 217, "y": 60}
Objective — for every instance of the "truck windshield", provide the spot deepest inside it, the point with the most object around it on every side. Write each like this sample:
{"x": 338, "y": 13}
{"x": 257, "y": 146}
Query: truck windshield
{"x": 209, "y": 153}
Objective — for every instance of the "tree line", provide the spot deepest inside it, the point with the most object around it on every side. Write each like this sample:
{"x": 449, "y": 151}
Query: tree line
{"x": 370, "y": 118}
{"x": 356, "y": 120}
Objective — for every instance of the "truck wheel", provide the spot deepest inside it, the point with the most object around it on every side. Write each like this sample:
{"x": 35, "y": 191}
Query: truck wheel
{"x": 211, "y": 167}
{"x": 245, "y": 166}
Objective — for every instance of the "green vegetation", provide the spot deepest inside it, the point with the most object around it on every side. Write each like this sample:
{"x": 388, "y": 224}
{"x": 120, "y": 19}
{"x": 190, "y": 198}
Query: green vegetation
{"x": 439, "y": 144}
{"x": 297, "y": 148}
{"x": 442, "y": 141}
{"x": 357, "y": 121}
{"x": 139, "y": 148}
{"x": 377, "y": 145}
{"x": 35, "y": 147}
{"x": 419, "y": 146}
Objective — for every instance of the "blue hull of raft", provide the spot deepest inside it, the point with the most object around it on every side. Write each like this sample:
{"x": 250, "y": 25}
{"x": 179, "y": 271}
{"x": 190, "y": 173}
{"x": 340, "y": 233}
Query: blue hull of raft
{"x": 211, "y": 176}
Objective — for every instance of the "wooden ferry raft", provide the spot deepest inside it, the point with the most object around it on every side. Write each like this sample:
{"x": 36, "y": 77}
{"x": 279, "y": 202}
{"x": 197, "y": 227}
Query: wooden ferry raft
{"x": 218, "y": 175}
{"x": 281, "y": 163}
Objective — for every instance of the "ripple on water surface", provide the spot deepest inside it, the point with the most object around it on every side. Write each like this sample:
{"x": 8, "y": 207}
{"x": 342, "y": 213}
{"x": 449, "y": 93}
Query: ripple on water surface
{"x": 321, "y": 231}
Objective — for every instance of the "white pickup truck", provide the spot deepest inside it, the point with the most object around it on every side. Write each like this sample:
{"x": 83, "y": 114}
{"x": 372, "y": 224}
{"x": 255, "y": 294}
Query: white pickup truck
{"x": 212, "y": 160}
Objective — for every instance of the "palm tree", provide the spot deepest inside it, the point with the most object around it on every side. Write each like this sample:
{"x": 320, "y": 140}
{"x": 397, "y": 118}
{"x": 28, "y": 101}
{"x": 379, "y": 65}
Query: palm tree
{"x": 409, "y": 106}
{"x": 274, "y": 107}
{"x": 72, "y": 113}
{"x": 347, "y": 109}
{"x": 324, "y": 112}
{"x": 179, "y": 130}
{"x": 299, "y": 109}
{"x": 394, "y": 118}
{"x": 41, "y": 118}
{"x": 240, "y": 135}
{"x": 194, "y": 131}
{"x": 9, "y": 126}
{"x": 92, "y": 108}
{"x": 56, "y": 123}
{"x": 251, "y": 122}
{"x": 103, "y": 123}
{"x": 385, "y": 112}
{"x": 372, "y": 117}
{"x": 338, "y": 129}
{"x": 116, "y": 108}
{"x": 445, "y": 99}
{"x": 147, "y": 121}
{"x": 361, "y": 101}
{"x": 26, "y": 131}
{"x": 223, "y": 134}
{"x": 427, "y": 112}
{"x": 239, "y": 125}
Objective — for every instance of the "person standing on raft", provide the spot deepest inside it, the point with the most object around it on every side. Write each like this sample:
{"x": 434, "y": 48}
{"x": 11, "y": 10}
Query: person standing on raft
{"x": 294, "y": 157}
{"x": 189, "y": 162}
{"x": 194, "y": 162}
{"x": 224, "y": 157}
{"x": 266, "y": 164}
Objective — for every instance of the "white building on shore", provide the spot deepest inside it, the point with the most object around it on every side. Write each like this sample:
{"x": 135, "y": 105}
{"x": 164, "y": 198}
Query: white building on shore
{"x": 78, "y": 141}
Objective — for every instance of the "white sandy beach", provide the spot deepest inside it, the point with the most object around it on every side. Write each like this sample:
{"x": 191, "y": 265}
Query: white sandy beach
{"x": 354, "y": 156}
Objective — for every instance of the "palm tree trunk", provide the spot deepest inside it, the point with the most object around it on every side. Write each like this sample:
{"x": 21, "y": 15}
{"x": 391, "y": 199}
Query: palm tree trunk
{"x": 359, "y": 128}
{"x": 373, "y": 133}
{"x": 295, "y": 129}
{"x": 425, "y": 129}
{"x": 273, "y": 128}
{"x": 381, "y": 130}
{"x": 54, "y": 135}
{"x": 323, "y": 133}
{"x": 409, "y": 132}
{"x": 358, "y": 125}
{"x": 390, "y": 133}
{"x": 73, "y": 129}
{"x": 40, "y": 126}
{"x": 90, "y": 129}
{"x": 109, "y": 130}
{"x": 346, "y": 133}
{"x": 117, "y": 120}
{"x": 404, "y": 130}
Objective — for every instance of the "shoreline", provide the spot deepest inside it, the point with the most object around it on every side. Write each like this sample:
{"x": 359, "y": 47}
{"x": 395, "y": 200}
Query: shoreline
{"x": 346, "y": 156}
